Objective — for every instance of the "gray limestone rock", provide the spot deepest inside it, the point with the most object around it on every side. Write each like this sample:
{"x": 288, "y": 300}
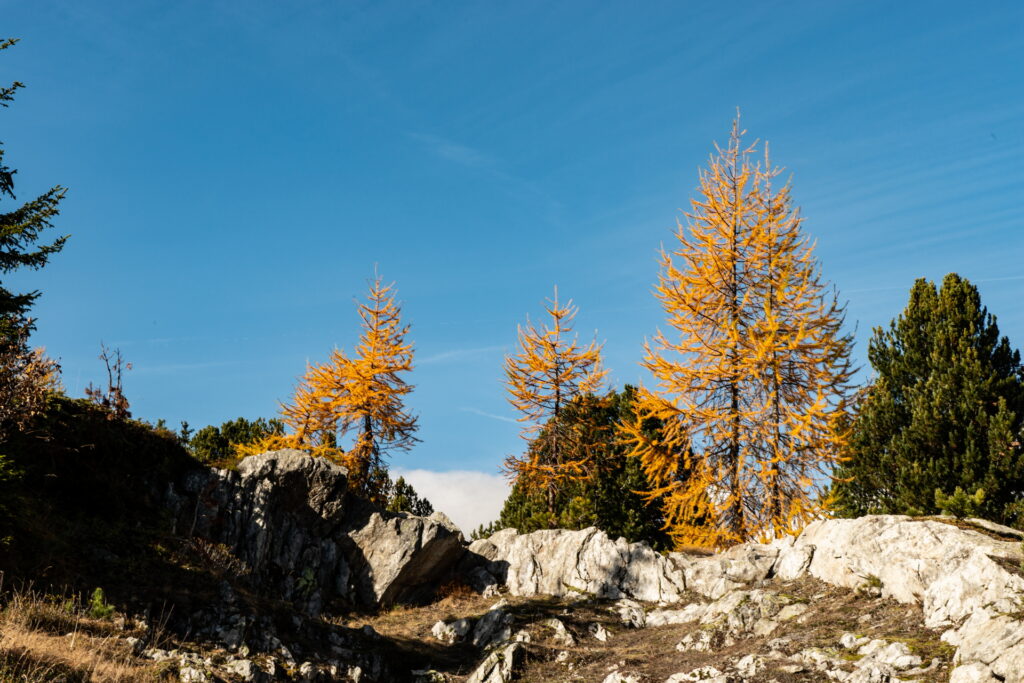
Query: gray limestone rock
{"x": 500, "y": 666}
{"x": 493, "y": 627}
{"x": 288, "y": 519}
{"x": 963, "y": 579}
{"x": 561, "y": 562}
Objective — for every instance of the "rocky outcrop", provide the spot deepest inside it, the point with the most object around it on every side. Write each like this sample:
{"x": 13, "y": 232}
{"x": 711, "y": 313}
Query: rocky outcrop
{"x": 967, "y": 581}
{"x": 560, "y": 562}
{"x": 500, "y": 666}
{"x": 400, "y": 558}
{"x": 299, "y": 536}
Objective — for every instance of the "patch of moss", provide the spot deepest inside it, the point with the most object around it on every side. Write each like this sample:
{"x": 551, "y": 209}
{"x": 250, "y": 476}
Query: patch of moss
{"x": 927, "y": 648}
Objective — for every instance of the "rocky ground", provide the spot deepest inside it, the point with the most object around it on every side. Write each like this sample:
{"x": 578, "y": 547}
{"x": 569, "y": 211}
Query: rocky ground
{"x": 802, "y": 630}
{"x": 309, "y": 585}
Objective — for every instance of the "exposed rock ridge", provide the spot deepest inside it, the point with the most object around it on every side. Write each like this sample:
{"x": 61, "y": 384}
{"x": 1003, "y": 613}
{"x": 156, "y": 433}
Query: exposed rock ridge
{"x": 966, "y": 581}
{"x": 298, "y": 534}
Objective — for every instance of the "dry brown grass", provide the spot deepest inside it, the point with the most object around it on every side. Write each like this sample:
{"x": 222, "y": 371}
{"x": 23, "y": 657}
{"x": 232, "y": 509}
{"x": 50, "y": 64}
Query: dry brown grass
{"x": 456, "y": 588}
{"x": 406, "y": 622}
{"x": 699, "y": 550}
{"x": 44, "y": 638}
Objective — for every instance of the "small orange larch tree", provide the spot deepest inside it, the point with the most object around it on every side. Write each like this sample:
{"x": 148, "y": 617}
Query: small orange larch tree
{"x": 550, "y": 369}
{"x": 367, "y": 392}
{"x": 361, "y": 397}
{"x": 309, "y": 419}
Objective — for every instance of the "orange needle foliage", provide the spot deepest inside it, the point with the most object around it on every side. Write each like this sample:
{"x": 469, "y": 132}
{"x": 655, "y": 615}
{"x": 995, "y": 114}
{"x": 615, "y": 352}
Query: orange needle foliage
{"x": 548, "y": 372}
{"x": 311, "y": 424}
{"x": 367, "y": 392}
{"x": 754, "y": 380}
{"x": 362, "y": 396}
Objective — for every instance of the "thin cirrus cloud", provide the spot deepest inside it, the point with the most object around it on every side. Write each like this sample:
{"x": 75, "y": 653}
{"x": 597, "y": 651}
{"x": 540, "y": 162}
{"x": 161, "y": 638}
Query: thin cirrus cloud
{"x": 471, "y": 158}
{"x": 458, "y": 354}
{"x": 169, "y": 368}
{"x": 492, "y": 416}
{"x": 453, "y": 151}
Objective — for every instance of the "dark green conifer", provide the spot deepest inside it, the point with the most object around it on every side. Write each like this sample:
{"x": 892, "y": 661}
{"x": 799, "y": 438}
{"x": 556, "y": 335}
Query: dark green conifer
{"x": 215, "y": 445}
{"x": 19, "y": 231}
{"x": 943, "y": 412}
{"x": 405, "y": 499}
{"x": 608, "y": 497}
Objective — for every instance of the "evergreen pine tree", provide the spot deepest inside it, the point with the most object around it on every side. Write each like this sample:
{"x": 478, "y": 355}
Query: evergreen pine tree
{"x": 944, "y": 412}
{"x": 404, "y": 498}
{"x": 26, "y": 376}
{"x": 20, "y": 230}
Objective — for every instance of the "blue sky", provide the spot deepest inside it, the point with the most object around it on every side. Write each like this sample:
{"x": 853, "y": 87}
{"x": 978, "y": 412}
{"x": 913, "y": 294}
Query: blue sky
{"x": 236, "y": 169}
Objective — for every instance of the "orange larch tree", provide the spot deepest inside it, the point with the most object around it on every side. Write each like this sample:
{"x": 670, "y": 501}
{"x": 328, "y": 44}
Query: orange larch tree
{"x": 367, "y": 392}
{"x": 311, "y": 423}
{"x": 550, "y": 370}
{"x": 754, "y": 379}
{"x": 362, "y": 397}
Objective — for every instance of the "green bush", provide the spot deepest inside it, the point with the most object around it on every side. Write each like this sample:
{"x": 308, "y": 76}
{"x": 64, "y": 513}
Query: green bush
{"x": 960, "y": 504}
{"x": 98, "y": 607}
{"x": 214, "y": 445}
{"x": 608, "y": 498}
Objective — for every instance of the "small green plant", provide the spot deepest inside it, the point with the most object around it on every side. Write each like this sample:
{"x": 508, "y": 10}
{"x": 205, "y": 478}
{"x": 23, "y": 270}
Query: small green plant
{"x": 960, "y": 504}
{"x": 307, "y": 582}
{"x": 872, "y": 586}
{"x": 98, "y": 606}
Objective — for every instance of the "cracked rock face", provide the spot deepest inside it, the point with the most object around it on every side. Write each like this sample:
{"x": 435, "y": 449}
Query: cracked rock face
{"x": 288, "y": 519}
{"x": 500, "y": 666}
{"x": 964, "y": 580}
{"x": 560, "y": 562}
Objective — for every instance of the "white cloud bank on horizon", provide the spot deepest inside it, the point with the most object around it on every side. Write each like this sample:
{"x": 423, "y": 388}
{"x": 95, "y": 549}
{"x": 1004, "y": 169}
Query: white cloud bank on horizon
{"x": 469, "y": 497}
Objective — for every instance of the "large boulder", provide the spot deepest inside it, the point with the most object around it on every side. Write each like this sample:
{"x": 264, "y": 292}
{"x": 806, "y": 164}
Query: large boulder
{"x": 300, "y": 536}
{"x": 561, "y": 562}
{"x": 400, "y": 557}
{"x": 903, "y": 555}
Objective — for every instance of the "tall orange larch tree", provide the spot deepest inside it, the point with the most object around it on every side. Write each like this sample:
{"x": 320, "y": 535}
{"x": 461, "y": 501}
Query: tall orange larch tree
{"x": 550, "y": 369}
{"x": 754, "y": 377}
